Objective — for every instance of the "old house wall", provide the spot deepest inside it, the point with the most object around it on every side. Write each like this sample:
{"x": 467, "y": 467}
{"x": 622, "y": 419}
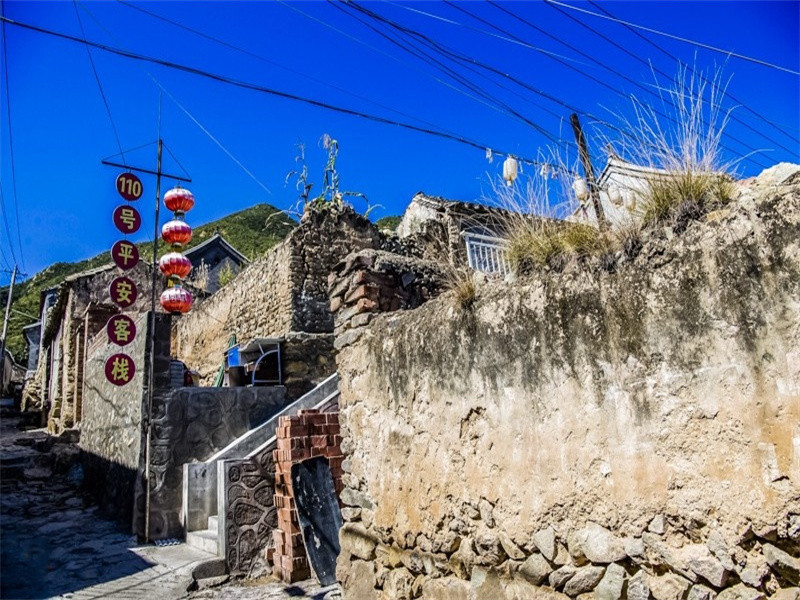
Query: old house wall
{"x": 282, "y": 294}
{"x": 111, "y": 428}
{"x": 632, "y": 431}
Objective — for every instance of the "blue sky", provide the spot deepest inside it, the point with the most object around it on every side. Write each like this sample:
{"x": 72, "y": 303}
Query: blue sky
{"x": 61, "y": 129}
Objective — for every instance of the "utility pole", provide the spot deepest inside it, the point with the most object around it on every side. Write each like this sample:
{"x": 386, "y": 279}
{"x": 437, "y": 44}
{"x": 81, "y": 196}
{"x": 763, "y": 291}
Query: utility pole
{"x": 591, "y": 182}
{"x": 5, "y": 321}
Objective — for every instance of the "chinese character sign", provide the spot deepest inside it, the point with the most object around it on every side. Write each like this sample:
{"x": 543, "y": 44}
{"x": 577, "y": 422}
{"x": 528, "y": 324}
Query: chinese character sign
{"x": 121, "y": 330}
{"x": 125, "y": 254}
{"x": 127, "y": 219}
{"x": 120, "y": 369}
{"x": 123, "y": 292}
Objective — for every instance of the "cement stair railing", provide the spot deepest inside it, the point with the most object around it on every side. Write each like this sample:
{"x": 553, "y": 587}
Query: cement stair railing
{"x": 201, "y": 482}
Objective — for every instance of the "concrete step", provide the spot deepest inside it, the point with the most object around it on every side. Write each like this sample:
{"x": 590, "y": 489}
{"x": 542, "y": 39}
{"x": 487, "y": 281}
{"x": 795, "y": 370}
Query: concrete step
{"x": 213, "y": 523}
{"x": 205, "y": 540}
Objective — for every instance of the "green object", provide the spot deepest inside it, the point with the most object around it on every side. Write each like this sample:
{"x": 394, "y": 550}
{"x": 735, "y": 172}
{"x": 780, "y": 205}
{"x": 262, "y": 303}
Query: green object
{"x": 220, "y": 378}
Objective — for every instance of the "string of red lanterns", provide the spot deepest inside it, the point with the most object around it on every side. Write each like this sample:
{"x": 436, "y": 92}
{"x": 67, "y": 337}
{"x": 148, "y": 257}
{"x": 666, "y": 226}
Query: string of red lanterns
{"x": 174, "y": 265}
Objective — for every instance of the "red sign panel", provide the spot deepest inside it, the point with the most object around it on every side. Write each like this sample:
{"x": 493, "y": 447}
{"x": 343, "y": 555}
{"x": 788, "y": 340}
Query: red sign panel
{"x": 127, "y": 219}
{"x": 123, "y": 292}
{"x": 121, "y": 330}
{"x": 125, "y": 254}
{"x": 120, "y": 369}
{"x": 129, "y": 186}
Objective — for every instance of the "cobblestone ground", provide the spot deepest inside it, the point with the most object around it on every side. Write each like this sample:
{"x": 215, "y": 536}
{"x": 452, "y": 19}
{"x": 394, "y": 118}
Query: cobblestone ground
{"x": 55, "y": 544}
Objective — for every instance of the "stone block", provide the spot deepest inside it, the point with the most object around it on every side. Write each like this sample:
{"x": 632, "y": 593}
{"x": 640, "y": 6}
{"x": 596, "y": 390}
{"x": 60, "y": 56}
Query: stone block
{"x": 584, "y": 580}
{"x": 599, "y": 545}
{"x": 560, "y": 576}
{"x": 740, "y": 592}
{"x": 701, "y": 592}
{"x": 545, "y": 541}
{"x": 612, "y": 583}
{"x": 638, "y": 587}
{"x": 446, "y": 588}
{"x": 397, "y": 584}
{"x": 668, "y": 587}
{"x": 359, "y": 581}
{"x": 354, "y": 538}
{"x": 535, "y": 569}
{"x": 785, "y": 565}
{"x": 699, "y": 560}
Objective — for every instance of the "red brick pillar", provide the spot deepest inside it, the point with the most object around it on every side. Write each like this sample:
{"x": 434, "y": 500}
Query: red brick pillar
{"x": 309, "y": 434}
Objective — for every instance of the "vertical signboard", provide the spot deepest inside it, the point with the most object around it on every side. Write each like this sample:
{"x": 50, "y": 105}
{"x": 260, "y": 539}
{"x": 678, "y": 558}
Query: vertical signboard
{"x": 121, "y": 329}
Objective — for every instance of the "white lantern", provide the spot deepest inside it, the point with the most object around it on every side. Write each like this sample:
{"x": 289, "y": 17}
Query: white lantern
{"x": 510, "y": 169}
{"x": 581, "y": 190}
{"x": 614, "y": 195}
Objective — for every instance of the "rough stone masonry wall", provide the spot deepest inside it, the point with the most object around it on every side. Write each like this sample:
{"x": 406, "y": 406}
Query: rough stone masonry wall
{"x": 281, "y": 294}
{"x": 632, "y": 431}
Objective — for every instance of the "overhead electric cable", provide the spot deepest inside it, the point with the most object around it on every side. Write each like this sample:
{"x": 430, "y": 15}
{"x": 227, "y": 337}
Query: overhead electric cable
{"x": 99, "y": 85}
{"x": 268, "y": 61}
{"x": 455, "y": 55}
{"x": 638, "y": 58}
{"x": 5, "y": 222}
{"x": 484, "y": 101}
{"x": 599, "y": 81}
{"x": 679, "y": 38}
{"x": 778, "y": 127}
{"x": 456, "y": 76}
{"x": 11, "y": 148}
{"x": 265, "y": 90}
{"x": 188, "y": 114}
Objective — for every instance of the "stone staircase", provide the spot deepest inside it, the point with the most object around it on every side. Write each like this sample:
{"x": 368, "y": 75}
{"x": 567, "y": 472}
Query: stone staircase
{"x": 205, "y": 539}
{"x": 202, "y": 495}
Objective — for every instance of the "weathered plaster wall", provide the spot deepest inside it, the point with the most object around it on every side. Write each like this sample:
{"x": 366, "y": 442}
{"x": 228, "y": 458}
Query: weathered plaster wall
{"x": 191, "y": 424}
{"x": 548, "y": 428}
{"x": 111, "y": 431}
{"x": 283, "y": 292}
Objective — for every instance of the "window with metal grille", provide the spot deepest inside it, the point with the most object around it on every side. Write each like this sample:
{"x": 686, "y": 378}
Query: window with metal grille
{"x": 487, "y": 254}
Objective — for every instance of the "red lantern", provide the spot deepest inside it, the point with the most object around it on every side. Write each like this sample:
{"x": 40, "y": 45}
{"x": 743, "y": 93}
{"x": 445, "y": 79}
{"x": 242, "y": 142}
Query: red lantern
{"x": 176, "y": 300}
{"x": 179, "y": 200}
{"x": 176, "y": 233}
{"x": 175, "y": 264}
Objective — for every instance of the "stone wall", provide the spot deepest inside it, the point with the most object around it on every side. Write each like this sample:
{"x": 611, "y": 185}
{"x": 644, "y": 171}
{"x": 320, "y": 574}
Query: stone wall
{"x": 627, "y": 426}
{"x": 373, "y": 281}
{"x": 191, "y": 424}
{"x": 281, "y": 293}
{"x": 112, "y": 430}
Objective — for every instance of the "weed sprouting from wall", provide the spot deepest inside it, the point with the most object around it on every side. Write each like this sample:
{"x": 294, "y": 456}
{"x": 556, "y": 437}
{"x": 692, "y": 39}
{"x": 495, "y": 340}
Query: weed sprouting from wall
{"x": 682, "y": 138}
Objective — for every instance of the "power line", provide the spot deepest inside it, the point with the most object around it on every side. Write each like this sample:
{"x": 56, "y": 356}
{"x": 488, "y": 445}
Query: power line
{"x": 663, "y": 74}
{"x": 270, "y": 62}
{"x": 679, "y": 38}
{"x": 99, "y": 85}
{"x": 11, "y": 150}
{"x": 486, "y": 102}
{"x": 448, "y": 71}
{"x": 265, "y": 90}
{"x": 190, "y": 115}
{"x": 457, "y": 56}
{"x": 8, "y": 229}
{"x": 593, "y": 78}
{"x": 781, "y": 128}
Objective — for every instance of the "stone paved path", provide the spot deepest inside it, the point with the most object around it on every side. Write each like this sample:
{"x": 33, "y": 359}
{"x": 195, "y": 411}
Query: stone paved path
{"x": 55, "y": 544}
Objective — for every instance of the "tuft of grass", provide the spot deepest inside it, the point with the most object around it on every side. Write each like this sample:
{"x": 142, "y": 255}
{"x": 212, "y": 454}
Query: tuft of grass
{"x": 683, "y": 194}
{"x": 463, "y": 283}
{"x": 683, "y": 139}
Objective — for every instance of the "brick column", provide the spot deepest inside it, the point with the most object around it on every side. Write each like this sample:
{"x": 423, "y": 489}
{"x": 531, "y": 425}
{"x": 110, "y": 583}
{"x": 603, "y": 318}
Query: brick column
{"x": 309, "y": 434}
